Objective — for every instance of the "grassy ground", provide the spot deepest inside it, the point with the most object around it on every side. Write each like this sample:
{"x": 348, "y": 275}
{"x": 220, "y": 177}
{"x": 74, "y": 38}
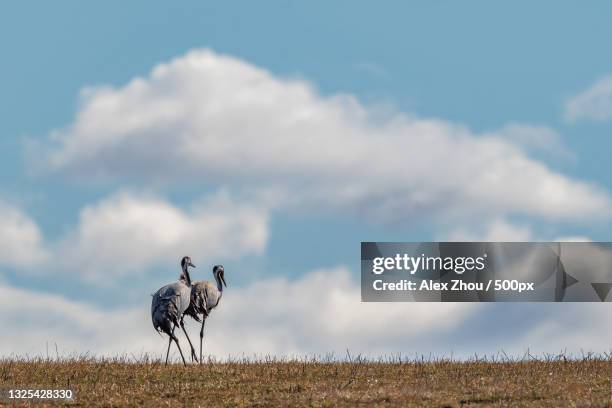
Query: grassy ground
{"x": 556, "y": 383}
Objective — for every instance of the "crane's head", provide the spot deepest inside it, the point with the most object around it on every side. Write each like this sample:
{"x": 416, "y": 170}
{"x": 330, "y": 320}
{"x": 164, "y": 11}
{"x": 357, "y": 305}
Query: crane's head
{"x": 219, "y": 274}
{"x": 185, "y": 264}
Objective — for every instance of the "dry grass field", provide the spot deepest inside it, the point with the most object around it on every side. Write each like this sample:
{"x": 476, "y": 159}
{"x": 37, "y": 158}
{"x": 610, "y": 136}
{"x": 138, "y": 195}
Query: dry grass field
{"x": 534, "y": 383}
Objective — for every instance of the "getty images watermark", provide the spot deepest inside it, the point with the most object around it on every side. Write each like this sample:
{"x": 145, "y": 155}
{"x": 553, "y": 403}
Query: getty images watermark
{"x": 486, "y": 271}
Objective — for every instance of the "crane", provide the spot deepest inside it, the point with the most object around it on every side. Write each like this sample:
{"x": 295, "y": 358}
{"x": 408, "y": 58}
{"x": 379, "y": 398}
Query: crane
{"x": 168, "y": 307}
{"x": 205, "y": 296}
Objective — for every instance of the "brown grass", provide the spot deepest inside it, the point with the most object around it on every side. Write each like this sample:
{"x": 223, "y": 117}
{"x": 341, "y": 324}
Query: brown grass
{"x": 535, "y": 383}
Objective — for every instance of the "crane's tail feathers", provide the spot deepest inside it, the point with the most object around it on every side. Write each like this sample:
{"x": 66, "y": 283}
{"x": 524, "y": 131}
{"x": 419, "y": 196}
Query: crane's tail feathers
{"x": 193, "y": 314}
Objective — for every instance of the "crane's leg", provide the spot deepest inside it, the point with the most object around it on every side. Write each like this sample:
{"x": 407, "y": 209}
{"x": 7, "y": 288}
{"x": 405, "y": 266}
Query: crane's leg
{"x": 168, "y": 352}
{"x": 169, "y": 343}
{"x": 193, "y": 353}
{"x": 202, "y": 336}
{"x": 179, "y": 347}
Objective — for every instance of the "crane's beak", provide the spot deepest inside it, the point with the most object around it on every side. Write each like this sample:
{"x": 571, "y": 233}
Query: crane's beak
{"x": 192, "y": 265}
{"x": 222, "y": 276}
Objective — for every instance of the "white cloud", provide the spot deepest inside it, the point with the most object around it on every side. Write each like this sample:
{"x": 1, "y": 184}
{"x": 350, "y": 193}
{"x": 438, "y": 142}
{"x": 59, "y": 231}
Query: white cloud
{"x": 128, "y": 233}
{"x": 595, "y": 103}
{"x": 502, "y": 230}
{"x": 571, "y": 327}
{"x": 497, "y": 230}
{"x": 321, "y": 312}
{"x": 318, "y": 313}
{"x": 222, "y": 121}
{"x": 39, "y": 321}
{"x": 21, "y": 242}
{"x": 535, "y": 138}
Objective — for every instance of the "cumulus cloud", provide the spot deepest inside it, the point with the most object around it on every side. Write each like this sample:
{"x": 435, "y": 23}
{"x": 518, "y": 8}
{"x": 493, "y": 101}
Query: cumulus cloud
{"x": 318, "y": 313}
{"x": 321, "y": 312}
{"x": 39, "y": 321}
{"x": 21, "y": 241}
{"x": 221, "y": 120}
{"x": 535, "y": 138}
{"x": 496, "y": 230}
{"x": 502, "y": 230}
{"x": 595, "y": 103}
{"x": 129, "y": 232}
{"x": 575, "y": 328}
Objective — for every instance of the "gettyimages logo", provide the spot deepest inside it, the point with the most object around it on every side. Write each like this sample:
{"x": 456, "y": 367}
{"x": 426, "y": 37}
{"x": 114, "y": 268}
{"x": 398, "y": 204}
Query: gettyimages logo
{"x": 412, "y": 264}
{"x": 486, "y": 271}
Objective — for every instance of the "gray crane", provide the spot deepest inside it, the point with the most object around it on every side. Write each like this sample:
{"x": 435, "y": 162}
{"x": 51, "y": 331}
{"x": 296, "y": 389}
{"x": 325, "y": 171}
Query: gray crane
{"x": 205, "y": 296}
{"x": 168, "y": 307}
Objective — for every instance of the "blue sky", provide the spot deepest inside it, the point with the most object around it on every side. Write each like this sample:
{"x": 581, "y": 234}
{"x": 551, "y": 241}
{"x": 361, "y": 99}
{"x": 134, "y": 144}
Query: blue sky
{"x": 467, "y": 73}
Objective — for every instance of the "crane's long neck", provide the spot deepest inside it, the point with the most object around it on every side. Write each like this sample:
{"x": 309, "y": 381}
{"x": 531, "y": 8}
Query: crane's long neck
{"x": 219, "y": 283}
{"x": 185, "y": 276}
